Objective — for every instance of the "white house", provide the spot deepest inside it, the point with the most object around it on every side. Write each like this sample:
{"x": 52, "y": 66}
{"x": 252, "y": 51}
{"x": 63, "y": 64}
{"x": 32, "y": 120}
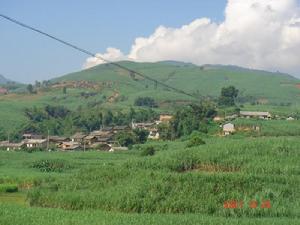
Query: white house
{"x": 35, "y": 143}
{"x": 261, "y": 115}
{"x": 290, "y": 118}
{"x": 228, "y": 128}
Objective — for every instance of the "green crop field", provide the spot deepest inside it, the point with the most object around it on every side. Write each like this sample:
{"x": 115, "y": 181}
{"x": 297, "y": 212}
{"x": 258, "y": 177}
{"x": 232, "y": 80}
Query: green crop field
{"x": 178, "y": 185}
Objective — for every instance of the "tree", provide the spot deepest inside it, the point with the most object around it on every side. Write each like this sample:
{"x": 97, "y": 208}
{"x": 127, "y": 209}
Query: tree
{"x": 30, "y": 88}
{"x": 145, "y": 101}
{"x": 64, "y": 90}
{"x": 192, "y": 118}
{"x": 228, "y": 96}
{"x": 164, "y": 131}
{"x": 126, "y": 139}
{"x": 141, "y": 135}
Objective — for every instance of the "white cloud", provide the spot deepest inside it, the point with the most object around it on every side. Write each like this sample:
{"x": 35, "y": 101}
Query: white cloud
{"x": 262, "y": 34}
{"x": 112, "y": 54}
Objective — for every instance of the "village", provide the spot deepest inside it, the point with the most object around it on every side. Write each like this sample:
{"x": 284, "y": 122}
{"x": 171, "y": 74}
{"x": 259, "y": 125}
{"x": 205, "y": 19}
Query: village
{"x": 104, "y": 138}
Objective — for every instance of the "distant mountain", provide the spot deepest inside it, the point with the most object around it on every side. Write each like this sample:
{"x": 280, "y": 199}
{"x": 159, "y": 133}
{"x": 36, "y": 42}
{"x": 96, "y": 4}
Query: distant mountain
{"x": 3, "y": 80}
{"x": 206, "y": 80}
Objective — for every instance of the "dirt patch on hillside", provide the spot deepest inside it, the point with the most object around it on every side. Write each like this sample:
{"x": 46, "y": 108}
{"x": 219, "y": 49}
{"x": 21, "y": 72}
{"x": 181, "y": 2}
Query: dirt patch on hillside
{"x": 113, "y": 97}
{"x": 78, "y": 84}
{"x": 298, "y": 86}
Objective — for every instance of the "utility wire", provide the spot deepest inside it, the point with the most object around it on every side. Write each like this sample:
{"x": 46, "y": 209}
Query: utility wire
{"x": 95, "y": 55}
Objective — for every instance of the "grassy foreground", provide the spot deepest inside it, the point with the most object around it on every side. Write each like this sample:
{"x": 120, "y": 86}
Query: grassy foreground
{"x": 18, "y": 215}
{"x": 178, "y": 185}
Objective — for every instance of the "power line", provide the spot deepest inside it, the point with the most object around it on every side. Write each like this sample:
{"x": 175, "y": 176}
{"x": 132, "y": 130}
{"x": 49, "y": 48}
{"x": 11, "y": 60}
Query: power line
{"x": 95, "y": 55}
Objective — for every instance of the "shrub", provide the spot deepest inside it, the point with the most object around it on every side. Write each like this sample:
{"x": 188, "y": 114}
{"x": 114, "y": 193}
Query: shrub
{"x": 148, "y": 151}
{"x": 8, "y": 188}
{"x": 145, "y": 101}
{"x": 51, "y": 165}
{"x": 195, "y": 141}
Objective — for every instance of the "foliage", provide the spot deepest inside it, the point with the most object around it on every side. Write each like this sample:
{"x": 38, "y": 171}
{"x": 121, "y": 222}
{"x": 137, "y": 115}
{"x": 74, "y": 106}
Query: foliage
{"x": 195, "y": 141}
{"x": 51, "y": 165}
{"x": 141, "y": 135}
{"x": 8, "y": 188}
{"x": 148, "y": 151}
{"x": 126, "y": 139}
{"x": 30, "y": 88}
{"x": 228, "y": 96}
{"x": 61, "y": 121}
{"x": 178, "y": 180}
{"x": 145, "y": 101}
{"x": 192, "y": 118}
{"x": 165, "y": 132}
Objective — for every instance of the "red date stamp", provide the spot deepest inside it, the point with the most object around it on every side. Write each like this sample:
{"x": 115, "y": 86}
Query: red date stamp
{"x": 253, "y": 204}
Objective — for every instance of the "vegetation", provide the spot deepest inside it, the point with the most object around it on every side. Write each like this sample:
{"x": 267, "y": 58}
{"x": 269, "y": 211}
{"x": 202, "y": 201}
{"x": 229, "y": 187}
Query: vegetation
{"x": 195, "y": 140}
{"x": 51, "y": 165}
{"x": 145, "y": 101}
{"x": 195, "y": 117}
{"x": 228, "y": 96}
{"x": 59, "y": 120}
{"x": 148, "y": 151}
{"x": 186, "y": 178}
{"x": 8, "y": 188}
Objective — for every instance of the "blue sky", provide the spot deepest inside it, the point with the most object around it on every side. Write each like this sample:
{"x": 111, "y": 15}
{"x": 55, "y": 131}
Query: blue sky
{"x": 95, "y": 25}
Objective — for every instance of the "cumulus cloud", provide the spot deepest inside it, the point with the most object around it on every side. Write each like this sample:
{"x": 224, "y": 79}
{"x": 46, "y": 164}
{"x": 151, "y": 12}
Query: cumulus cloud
{"x": 112, "y": 54}
{"x": 255, "y": 34}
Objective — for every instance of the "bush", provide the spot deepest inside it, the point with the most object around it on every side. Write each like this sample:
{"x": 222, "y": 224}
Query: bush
{"x": 148, "y": 151}
{"x": 8, "y": 188}
{"x": 31, "y": 150}
{"x": 51, "y": 165}
{"x": 195, "y": 141}
{"x": 145, "y": 101}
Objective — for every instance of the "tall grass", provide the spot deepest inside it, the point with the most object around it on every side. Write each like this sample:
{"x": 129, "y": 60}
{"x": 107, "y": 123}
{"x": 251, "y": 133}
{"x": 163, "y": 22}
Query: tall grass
{"x": 194, "y": 180}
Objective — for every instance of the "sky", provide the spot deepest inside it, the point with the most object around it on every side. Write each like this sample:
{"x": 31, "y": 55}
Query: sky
{"x": 259, "y": 34}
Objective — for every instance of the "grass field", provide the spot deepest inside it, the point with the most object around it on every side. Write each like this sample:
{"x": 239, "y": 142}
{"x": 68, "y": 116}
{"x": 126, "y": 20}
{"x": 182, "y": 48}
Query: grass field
{"x": 177, "y": 185}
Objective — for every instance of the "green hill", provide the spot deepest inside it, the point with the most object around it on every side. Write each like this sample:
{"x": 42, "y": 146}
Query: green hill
{"x": 110, "y": 87}
{"x": 204, "y": 80}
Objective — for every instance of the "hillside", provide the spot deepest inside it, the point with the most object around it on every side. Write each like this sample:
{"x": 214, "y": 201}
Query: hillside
{"x": 109, "y": 87}
{"x": 3, "y": 80}
{"x": 204, "y": 80}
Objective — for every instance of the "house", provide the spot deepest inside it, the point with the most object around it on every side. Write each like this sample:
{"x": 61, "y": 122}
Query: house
{"x": 218, "y": 119}
{"x": 117, "y": 129}
{"x": 290, "y": 118}
{"x": 78, "y": 137}
{"x": 101, "y": 146}
{"x": 261, "y": 115}
{"x": 69, "y": 145}
{"x": 27, "y": 136}
{"x": 35, "y": 143}
{"x": 228, "y": 128}
{"x": 231, "y": 117}
{"x": 3, "y": 91}
{"x": 58, "y": 139}
{"x": 11, "y": 146}
{"x": 153, "y": 134}
{"x": 145, "y": 126}
{"x": 105, "y": 140}
{"x": 90, "y": 139}
{"x": 108, "y": 129}
{"x": 113, "y": 149}
{"x": 165, "y": 118}
{"x": 103, "y": 136}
